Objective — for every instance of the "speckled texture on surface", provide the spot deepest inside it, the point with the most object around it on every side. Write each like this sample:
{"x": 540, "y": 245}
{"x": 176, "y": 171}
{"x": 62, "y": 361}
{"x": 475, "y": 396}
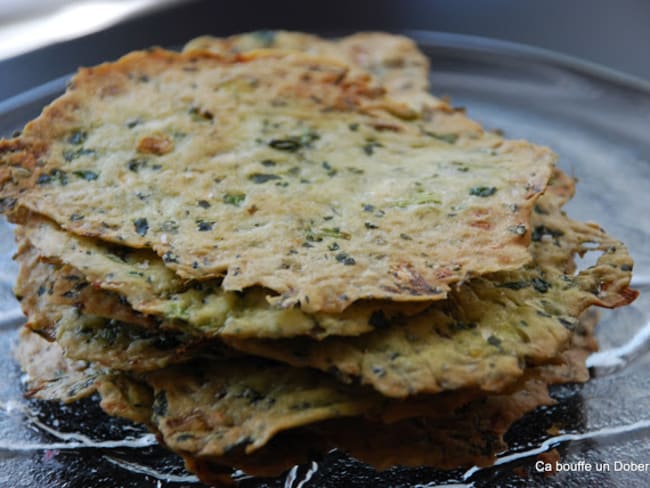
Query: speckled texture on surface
{"x": 599, "y": 130}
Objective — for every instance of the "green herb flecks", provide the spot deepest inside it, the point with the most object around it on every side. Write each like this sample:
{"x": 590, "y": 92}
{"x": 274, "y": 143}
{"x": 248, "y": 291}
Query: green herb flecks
{"x": 540, "y": 285}
{"x": 345, "y": 259}
{"x": 77, "y": 137}
{"x": 136, "y": 164}
{"x": 56, "y": 175}
{"x": 247, "y": 393}
{"x": 307, "y": 138}
{"x": 141, "y": 226}
{"x": 460, "y": 326}
{"x": 482, "y": 191}
{"x": 379, "y": 371}
{"x": 448, "y": 138}
{"x": 330, "y": 170}
{"x": 177, "y": 311}
{"x": 540, "y": 210}
{"x": 294, "y": 143}
{"x": 199, "y": 115}
{"x": 494, "y": 341}
{"x": 159, "y": 407}
{"x": 70, "y": 155}
{"x": 204, "y": 226}
{"x": 289, "y": 145}
{"x": 86, "y": 175}
{"x": 422, "y": 198}
{"x": 515, "y": 285}
{"x": 259, "y": 178}
{"x": 370, "y": 146}
{"x": 234, "y": 198}
{"x": 569, "y": 324}
{"x": 170, "y": 226}
{"x": 377, "y": 212}
{"x": 335, "y": 232}
{"x": 541, "y": 230}
{"x": 170, "y": 257}
{"x": 461, "y": 166}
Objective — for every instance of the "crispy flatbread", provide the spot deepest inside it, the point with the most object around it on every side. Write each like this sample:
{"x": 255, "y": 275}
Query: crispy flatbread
{"x": 571, "y": 366}
{"x": 123, "y": 346}
{"x": 204, "y": 309}
{"x": 483, "y": 334}
{"x": 105, "y": 340}
{"x": 478, "y": 338}
{"x": 42, "y": 287}
{"x": 276, "y": 169}
{"x": 50, "y": 375}
{"x": 242, "y": 404}
{"x": 460, "y": 436}
{"x": 123, "y": 396}
{"x": 190, "y": 407}
{"x": 396, "y": 62}
{"x": 201, "y": 410}
{"x": 34, "y": 289}
{"x": 470, "y": 433}
{"x": 117, "y": 286}
{"x": 400, "y": 67}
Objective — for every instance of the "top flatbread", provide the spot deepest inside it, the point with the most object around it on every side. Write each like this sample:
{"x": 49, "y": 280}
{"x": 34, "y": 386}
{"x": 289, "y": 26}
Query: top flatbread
{"x": 276, "y": 169}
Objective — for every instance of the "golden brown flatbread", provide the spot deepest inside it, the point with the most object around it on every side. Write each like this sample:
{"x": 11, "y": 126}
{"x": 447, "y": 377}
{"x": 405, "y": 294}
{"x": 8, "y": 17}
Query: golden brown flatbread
{"x": 396, "y": 62}
{"x": 50, "y": 375}
{"x": 204, "y": 309}
{"x": 140, "y": 278}
{"x": 219, "y": 203}
{"x": 485, "y": 332}
{"x": 276, "y": 169}
{"x": 481, "y": 337}
{"x": 190, "y": 407}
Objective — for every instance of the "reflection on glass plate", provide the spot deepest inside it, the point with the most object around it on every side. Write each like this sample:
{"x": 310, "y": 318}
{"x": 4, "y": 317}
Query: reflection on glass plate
{"x": 598, "y": 125}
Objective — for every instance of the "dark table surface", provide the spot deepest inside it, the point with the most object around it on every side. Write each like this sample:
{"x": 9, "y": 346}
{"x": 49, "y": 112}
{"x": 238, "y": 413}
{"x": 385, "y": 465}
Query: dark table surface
{"x": 612, "y": 33}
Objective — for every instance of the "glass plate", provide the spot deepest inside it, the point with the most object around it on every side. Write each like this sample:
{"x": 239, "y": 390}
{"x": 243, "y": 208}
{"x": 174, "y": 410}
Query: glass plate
{"x": 597, "y": 121}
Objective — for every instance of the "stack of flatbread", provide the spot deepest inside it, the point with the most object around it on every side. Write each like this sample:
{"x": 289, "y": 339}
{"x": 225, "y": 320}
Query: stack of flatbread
{"x": 273, "y": 244}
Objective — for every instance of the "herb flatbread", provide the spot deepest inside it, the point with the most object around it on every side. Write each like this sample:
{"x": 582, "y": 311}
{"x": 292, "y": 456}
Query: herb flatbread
{"x": 276, "y": 169}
